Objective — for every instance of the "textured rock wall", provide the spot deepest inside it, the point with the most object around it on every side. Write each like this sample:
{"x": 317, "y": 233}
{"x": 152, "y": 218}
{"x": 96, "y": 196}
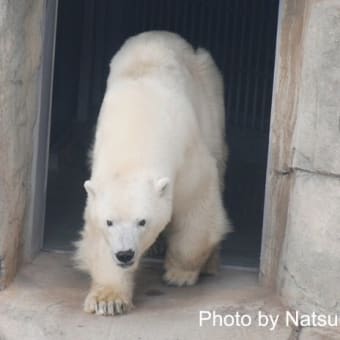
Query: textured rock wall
{"x": 21, "y": 31}
{"x": 309, "y": 272}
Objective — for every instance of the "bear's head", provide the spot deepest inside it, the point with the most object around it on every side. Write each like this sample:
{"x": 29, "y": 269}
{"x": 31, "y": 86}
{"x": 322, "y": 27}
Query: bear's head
{"x": 129, "y": 214}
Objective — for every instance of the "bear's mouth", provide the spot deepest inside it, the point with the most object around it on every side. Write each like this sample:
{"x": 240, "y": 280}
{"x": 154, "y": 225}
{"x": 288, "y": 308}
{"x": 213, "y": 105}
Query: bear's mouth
{"x": 125, "y": 265}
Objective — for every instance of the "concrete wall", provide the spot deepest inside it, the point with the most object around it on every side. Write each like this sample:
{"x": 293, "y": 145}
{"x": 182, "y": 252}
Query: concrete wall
{"x": 309, "y": 274}
{"x": 21, "y": 32}
{"x": 301, "y": 252}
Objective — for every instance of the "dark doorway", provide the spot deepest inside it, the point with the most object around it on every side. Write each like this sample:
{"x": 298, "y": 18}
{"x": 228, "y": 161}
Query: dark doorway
{"x": 240, "y": 34}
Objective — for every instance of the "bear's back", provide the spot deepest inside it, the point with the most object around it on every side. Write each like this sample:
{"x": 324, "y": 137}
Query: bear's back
{"x": 161, "y": 95}
{"x": 172, "y": 59}
{"x": 150, "y": 52}
{"x": 147, "y": 116}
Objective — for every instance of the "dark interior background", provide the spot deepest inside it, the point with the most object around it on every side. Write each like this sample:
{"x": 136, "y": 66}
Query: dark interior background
{"x": 241, "y": 36}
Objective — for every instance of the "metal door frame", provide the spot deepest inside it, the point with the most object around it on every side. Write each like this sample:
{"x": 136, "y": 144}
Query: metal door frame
{"x": 34, "y": 228}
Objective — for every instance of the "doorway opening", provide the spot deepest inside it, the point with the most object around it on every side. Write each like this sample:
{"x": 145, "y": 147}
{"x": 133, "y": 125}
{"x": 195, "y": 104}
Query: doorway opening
{"x": 240, "y": 35}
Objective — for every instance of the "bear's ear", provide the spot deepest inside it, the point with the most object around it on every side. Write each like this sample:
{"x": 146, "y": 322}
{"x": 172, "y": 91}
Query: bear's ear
{"x": 162, "y": 185}
{"x": 89, "y": 188}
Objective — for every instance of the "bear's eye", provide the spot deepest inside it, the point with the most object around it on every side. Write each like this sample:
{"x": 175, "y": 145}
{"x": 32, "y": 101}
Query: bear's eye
{"x": 141, "y": 223}
{"x": 109, "y": 223}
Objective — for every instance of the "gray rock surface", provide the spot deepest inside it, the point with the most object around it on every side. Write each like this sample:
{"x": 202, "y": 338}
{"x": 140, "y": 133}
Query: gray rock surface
{"x": 309, "y": 273}
{"x": 316, "y": 141}
{"x": 20, "y": 59}
{"x": 310, "y": 265}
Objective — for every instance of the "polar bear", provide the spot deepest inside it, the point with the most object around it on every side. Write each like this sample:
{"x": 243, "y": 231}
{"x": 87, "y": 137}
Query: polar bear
{"x": 158, "y": 161}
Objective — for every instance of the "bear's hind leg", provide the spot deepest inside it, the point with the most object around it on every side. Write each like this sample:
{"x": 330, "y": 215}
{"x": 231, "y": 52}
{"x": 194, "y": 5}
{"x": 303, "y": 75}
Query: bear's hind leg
{"x": 213, "y": 262}
{"x": 184, "y": 262}
{"x": 193, "y": 239}
{"x": 179, "y": 276}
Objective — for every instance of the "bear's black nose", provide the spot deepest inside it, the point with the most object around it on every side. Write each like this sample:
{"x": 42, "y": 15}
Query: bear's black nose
{"x": 125, "y": 256}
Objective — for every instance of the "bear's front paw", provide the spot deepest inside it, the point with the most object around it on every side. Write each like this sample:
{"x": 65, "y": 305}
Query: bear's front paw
{"x": 179, "y": 277}
{"x": 105, "y": 301}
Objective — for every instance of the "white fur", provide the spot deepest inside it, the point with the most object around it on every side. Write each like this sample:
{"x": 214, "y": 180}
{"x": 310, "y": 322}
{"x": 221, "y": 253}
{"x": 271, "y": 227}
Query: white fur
{"x": 159, "y": 155}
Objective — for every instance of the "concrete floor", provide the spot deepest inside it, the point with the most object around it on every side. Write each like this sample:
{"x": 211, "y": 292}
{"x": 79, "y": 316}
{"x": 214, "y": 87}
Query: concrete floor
{"x": 45, "y": 302}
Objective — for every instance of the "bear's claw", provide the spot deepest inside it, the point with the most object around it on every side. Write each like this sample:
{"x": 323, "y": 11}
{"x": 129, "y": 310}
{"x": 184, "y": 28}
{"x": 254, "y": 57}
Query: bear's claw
{"x": 94, "y": 303}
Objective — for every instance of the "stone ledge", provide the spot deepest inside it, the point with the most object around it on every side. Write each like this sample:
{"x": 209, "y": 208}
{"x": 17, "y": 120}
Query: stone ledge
{"x": 45, "y": 302}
